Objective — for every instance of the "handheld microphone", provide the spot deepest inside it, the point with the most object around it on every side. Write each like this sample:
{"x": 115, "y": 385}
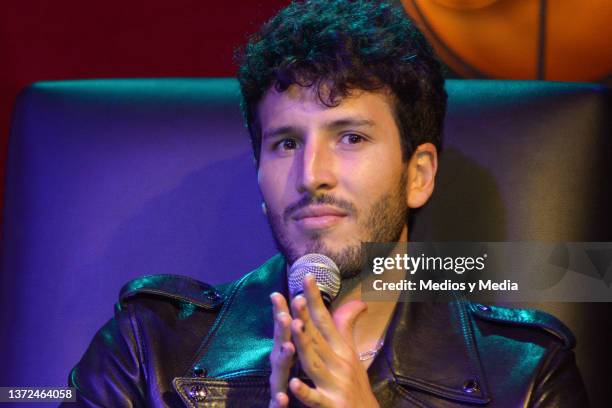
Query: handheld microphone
{"x": 324, "y": 269}
{"x": 327, "y": 276}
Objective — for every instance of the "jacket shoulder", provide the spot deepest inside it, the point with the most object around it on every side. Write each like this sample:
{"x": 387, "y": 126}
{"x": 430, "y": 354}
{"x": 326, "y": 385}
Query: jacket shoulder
{"x": 173, "y": 287}
{"x": 532, "y": 318}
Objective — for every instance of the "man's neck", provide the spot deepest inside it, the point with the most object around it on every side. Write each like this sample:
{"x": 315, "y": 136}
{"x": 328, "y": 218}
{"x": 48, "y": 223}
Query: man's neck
{"x": 371, "y": 325}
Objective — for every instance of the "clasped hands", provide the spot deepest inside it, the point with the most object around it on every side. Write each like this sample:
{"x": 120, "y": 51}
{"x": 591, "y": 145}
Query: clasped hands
{"x": 326, "y": 351}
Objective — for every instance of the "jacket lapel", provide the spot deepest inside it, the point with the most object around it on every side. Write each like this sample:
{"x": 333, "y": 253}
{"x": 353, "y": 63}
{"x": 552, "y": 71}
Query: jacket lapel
{"x": 241, "y": 340}
{"x": 232, "y": 365}
{"x": 430, "y": 347}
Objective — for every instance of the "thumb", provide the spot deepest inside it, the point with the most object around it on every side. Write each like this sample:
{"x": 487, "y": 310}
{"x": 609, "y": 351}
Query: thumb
{"x": 345, "y": 316}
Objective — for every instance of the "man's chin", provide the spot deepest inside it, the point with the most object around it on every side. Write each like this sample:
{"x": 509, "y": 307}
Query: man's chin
{"x": 319, "y": 247}
{"x": 348, "y": 259}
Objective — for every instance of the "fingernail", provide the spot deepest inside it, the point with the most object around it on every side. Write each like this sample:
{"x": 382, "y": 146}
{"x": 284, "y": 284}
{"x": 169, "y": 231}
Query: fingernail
{"x": 301, "y": 301}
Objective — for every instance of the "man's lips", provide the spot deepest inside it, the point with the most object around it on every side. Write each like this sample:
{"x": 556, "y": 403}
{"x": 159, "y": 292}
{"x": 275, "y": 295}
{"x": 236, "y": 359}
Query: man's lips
{"x": 318, "y": 211}
{"x": 318, "y": 216}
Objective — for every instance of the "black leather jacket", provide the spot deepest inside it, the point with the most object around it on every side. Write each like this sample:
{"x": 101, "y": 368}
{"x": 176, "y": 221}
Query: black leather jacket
{"x": 178, "y": 342}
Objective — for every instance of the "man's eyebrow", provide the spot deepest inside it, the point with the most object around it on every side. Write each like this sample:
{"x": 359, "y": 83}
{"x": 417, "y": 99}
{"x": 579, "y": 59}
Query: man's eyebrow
{"x": 280, "y": 131}
{"x": 333, "y": 125}
{"x": 348, "y": 122}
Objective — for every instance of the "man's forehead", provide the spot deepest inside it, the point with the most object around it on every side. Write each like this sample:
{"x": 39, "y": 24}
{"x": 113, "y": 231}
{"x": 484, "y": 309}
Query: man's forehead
{"x": 297, "y": 102}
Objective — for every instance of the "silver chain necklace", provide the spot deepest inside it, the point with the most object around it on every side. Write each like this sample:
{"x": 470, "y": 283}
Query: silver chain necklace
{"x": 368, "y": 354}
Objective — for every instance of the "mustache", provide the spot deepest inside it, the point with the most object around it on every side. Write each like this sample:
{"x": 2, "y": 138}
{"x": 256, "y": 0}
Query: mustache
{"x": 320, "y": 199}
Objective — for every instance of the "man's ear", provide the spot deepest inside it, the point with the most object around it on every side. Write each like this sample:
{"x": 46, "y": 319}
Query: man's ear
{"x": 422, "y": 169}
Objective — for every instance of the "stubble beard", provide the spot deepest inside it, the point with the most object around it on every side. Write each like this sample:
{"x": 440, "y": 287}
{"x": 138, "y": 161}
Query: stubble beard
{"x": 383, "y": 223}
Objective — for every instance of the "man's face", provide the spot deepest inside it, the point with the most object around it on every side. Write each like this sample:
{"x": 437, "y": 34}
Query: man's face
{"x": 331, "y": 177}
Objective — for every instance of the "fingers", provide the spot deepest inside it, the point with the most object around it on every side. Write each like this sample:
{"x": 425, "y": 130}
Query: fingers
{"x": 280, "y": 400}
{"x": 325, "y": 348}
{"x": 342, "y": 343}
{"x": 283, "y": 351}
{"x": 281, "y": 362}
{"x": 311, "y": 334}
{"x": 279, "y": 303}
{"x": 319, "y": 313}
{"x": 308, "y": 355}
{"x": 315, "y": 355}
{"x": 308, "y": 396}
{"x": 282, "y": 319}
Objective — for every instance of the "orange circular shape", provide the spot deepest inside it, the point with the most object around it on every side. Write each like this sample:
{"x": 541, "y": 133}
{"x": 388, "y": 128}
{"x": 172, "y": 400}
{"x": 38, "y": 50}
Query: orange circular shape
{"x": 530, "y": 39}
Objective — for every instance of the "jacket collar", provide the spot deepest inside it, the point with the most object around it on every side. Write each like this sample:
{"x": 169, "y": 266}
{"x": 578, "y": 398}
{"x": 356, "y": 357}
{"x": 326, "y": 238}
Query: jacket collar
{"x": 429, "y": 346}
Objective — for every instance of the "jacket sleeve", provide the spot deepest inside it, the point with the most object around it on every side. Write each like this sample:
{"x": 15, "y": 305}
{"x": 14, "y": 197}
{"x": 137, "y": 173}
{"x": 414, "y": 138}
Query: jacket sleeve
{"x": 110, "y": 372}
{"x": 559, "y": 383}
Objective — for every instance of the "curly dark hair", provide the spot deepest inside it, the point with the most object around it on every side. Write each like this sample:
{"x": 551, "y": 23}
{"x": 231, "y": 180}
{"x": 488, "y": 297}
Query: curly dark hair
{"x": 346, "y": 45}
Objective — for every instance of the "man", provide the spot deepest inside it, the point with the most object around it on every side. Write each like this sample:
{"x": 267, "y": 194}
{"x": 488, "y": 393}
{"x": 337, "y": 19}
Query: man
{"x": 344, "y": 102}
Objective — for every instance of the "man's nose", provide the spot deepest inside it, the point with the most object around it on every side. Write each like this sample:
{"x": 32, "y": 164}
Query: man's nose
{"x": 318, "y": 167}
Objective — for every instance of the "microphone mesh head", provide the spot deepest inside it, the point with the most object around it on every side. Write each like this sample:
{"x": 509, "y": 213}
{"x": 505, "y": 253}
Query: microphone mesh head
{"x": 323, "y": 268}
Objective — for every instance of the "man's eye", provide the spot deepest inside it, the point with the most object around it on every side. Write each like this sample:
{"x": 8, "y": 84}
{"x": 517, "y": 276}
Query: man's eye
{"x": 352, "y": 138}
{"x": 286, "y": 144}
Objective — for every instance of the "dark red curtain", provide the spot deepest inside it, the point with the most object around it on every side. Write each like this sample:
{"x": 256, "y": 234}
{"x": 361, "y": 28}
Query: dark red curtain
{"x": 65, "y": 39}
